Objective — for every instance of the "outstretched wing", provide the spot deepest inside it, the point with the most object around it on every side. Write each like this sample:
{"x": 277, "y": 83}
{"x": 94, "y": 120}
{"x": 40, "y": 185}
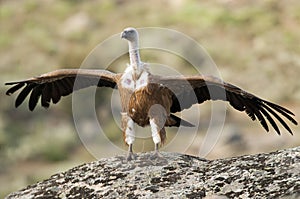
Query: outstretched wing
{"x": 53, "y": 85}
{"x": 186, "y": 91}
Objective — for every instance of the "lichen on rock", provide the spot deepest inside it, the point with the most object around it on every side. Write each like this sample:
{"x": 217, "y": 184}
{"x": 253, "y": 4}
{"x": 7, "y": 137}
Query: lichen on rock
{"x": 270, "y": 175}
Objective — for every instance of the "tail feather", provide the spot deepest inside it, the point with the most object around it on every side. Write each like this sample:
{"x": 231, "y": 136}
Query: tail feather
{"x": 173, "y": 120}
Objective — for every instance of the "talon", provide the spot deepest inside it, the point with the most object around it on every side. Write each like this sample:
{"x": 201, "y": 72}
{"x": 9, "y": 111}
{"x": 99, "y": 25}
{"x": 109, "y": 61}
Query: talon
{"x": 157, "y": 154}
{"x": 130, "y": 155}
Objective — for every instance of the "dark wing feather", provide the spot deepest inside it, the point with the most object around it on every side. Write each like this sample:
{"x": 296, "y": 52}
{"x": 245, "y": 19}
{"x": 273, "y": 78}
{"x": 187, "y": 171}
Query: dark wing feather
{"x": 54, "y": 85}
{"x": 46, "y": 95}
{"x": 55, "y": 92}
{"x": 35, "y": 96}
{"x": 14, "y": 88}
{"x": 23, "y": 94}
{"x": 270, "y": 119}
{"x": 186, "y": 91}
{"x": 280, "y": 119}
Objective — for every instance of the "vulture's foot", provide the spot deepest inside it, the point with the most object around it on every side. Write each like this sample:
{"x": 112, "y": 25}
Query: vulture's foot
{"x": 130, "y": 155}
{"x": 157, "y": 154}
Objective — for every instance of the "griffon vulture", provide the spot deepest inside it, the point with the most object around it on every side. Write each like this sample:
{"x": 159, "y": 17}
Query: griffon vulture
{"x": 140, "y": 91}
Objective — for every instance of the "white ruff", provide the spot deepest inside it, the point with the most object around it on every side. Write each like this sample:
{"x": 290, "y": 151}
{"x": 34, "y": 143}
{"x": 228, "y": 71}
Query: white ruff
{"x": 129, "y": 83}
{"x": 129, "y": 132}
{"x": 127, "y": 80}
{"x": 142, "y": 81}
{"x": 155, "y": 133}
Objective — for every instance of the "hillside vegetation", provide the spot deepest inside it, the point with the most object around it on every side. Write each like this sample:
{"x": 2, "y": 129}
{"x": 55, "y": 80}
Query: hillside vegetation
{"x": 255, "y": 45}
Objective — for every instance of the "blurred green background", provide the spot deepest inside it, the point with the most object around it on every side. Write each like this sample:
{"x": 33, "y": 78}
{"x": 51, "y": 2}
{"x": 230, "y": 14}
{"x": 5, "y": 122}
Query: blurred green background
{"x": 255, "y": 44}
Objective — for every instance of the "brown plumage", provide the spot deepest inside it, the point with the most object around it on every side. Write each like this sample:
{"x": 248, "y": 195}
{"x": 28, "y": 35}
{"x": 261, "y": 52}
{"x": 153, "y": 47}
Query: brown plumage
{"x": 149, "y": 99}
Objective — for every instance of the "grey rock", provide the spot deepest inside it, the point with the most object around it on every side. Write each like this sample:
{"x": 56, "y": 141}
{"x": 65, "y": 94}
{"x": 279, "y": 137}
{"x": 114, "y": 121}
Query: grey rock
{"x": 270, "y": 175}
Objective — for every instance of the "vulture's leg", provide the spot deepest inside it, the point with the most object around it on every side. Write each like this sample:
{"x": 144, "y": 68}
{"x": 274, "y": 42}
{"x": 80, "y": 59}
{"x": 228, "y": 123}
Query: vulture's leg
{"x": 130, "y": 154}
{"x": 157, "y": 115}
{"x": 129, "y": 134}
{"x": 158, "y": 136}
{"x": 162, "y": 134}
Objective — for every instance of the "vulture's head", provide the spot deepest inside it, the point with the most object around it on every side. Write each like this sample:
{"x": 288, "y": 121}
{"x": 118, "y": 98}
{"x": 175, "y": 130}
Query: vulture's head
{"x": 130, "y": 34}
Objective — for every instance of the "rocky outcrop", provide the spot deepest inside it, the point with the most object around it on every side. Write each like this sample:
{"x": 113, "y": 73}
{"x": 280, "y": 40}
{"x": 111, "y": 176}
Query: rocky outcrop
{"x": 271, "y": 175}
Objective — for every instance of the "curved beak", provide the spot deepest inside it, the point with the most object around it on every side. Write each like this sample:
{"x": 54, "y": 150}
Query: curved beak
{"x": 123, "y": 34}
